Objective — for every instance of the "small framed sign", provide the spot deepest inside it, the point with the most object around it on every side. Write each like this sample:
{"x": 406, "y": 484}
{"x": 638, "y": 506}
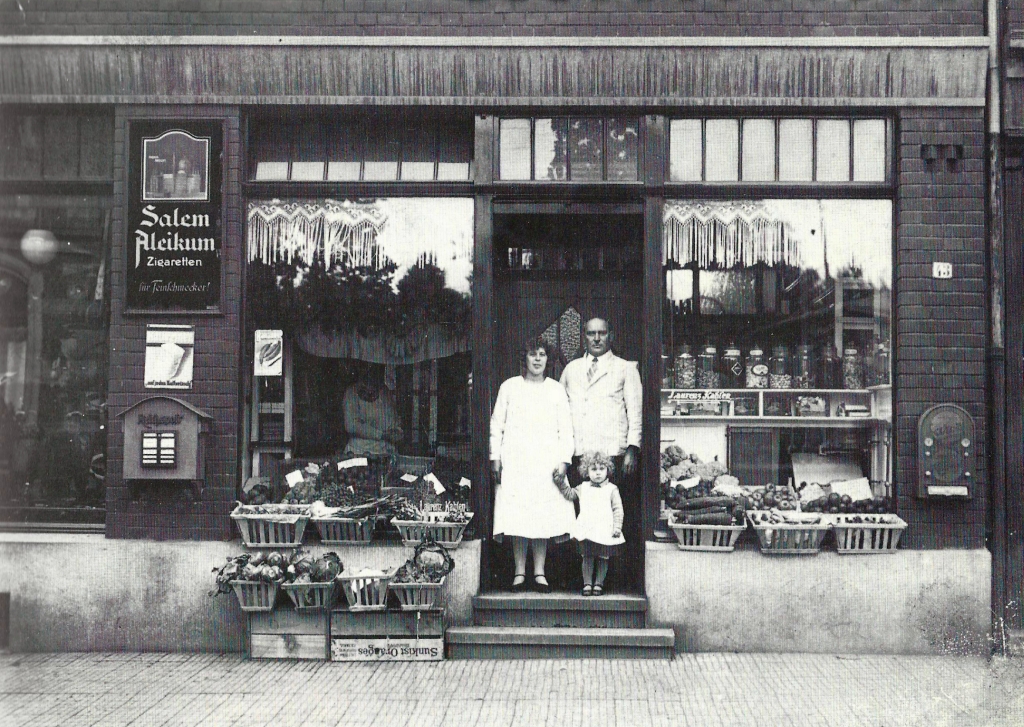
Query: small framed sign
{"x": 169, "y": 356}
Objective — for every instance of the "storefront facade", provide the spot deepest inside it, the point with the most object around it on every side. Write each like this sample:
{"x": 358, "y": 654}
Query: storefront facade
{"x": 774, "y": 199}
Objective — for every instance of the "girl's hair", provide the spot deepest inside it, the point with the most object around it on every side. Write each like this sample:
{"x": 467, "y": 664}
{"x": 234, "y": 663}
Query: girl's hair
{"x": 594, "y": 457}
{"x": 536, "y": 344}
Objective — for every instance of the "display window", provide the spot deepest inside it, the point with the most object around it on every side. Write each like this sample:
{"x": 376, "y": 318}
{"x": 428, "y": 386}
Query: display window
{"x": 358, "y": 319}
{"x": 54, "y": 315}
{"x": 777, "y": 340}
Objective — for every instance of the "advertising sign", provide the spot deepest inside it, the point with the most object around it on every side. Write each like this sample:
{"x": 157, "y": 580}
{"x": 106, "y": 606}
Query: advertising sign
{"x": 169, "y": 356}
{"x": 385, "y": 649}
{"x": 175, "y": 236}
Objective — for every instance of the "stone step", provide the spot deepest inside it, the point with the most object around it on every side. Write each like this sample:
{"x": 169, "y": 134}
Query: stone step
{"x": 559, "y": 610}
{"x": 499, "y": 642}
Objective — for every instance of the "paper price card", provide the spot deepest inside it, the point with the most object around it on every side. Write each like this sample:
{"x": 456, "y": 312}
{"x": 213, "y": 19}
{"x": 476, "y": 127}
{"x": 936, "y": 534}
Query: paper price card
{"x": 293, "y": 478}
{"x": 408, "y": 478}
{"x": 436, "y": 483}
{"x": 465, "y": 482}
{"x": 354, "y": 462}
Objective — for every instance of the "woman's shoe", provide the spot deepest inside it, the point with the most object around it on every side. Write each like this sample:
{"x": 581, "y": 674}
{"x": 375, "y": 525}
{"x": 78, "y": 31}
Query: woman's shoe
{"x": 541, "y": 585}
{"x": 519, "y": 583}
{"x": 588, "y": 590}
{"x": 598, "y": 589}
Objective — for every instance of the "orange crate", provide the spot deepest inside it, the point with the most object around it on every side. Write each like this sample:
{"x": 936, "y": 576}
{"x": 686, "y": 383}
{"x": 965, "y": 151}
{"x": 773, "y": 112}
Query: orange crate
{"x": 417, "y": 596}
{"x": 344, "y": 531}
{"x": 311, "y": 596}
{"x": 709, "y": 538}
{"x": 366, "y": 592}
{"x": 865, "y": 538}
{"x": 255, "y": 595}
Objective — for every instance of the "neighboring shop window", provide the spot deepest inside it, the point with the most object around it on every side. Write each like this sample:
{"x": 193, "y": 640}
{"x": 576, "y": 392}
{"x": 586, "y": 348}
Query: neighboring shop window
{"x": 391, "y": 146}
{"x": 363, "y": 309}
{"x": 777, "y": 341}
{"x": 779, "y": 150}
{"x": 56, "y": 168}
{"x": 569, "y": 149}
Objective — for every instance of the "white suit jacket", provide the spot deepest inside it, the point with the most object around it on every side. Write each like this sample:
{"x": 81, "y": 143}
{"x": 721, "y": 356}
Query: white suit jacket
{"x": 607, "y": 411}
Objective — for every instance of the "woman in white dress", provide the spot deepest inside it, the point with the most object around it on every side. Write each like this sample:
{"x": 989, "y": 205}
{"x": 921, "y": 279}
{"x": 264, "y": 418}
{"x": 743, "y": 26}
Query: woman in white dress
{"x": 531, "y": 447}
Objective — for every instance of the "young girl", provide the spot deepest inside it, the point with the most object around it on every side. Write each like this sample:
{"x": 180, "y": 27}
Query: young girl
{"x": 599, "y": 525}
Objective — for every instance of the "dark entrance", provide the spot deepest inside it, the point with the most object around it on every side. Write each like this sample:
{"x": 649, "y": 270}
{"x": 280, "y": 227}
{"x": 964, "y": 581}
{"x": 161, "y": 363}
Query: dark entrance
{"x": 552, "y": 273}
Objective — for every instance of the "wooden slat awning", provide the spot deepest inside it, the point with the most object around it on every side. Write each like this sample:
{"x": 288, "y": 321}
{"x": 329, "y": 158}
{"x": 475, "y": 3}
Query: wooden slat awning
{"x": 799, "y": 72}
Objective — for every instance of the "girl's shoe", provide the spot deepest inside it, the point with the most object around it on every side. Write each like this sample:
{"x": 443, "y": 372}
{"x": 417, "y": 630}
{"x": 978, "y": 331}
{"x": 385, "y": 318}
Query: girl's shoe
{"x": 588, "y": 590}
{"x": 598, "y": 589}
{"x": 519, "y": 583}
{"x": 541, "y": 585}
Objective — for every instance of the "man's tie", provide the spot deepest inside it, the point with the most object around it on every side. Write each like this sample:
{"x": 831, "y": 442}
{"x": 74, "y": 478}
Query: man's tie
{"x": 592, "y": 371}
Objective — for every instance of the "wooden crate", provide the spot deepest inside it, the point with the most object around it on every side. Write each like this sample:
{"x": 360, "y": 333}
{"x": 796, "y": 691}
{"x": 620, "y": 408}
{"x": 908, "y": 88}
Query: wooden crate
{"x": 709, "y": 538}
{"x": 387, "y": 635}
{"x": 288, "y": 634}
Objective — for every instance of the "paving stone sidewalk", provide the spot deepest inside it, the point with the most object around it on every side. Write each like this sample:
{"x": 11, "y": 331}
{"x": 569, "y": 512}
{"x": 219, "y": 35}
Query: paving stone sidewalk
{"x": 709, "y": 690}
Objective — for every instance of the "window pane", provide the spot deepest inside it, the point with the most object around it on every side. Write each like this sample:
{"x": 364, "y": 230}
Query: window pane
{"x": 549, "y": 149}
{"x": 869, "y": 160}
{"x": 514, "y": 149}
{"x": 685, "y": 150}
{"x": 585, "y": 150}
{"x": 266, "y": 171}
{"x": 833, "y": 150}
{"x": 307, "y": 171}
{"x": 795, "y": 157}
{"x": 343, "y": 171}
{"x": 452, "y": 171}
{"x": 380, "y": 171}
{"x": 722, "y": 164}
{"x": 622, "y": 144}
{"x": 758, "y": 150}
{"x": 418, "y": 171}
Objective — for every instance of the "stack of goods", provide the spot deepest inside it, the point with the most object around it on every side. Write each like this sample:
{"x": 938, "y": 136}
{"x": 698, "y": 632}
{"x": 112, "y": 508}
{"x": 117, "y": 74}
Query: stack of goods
{"x": 835, "y": 503}
{"x": 709, "y": 510}
{"x": 335, "y": 483}
{"x": 686, "y": 475}
{"x": 771, "y": 497}
{"x": 417, "y": 583}
{"x": 310, "y": 583}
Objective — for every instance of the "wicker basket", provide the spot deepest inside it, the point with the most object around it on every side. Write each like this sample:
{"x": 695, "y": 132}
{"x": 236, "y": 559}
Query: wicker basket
{"x": 309, "y": 597}
{"x": 366, "y": 593}
{"x": 415, "y": 532}
{"x": 790, "y": 538}
{"x": 270, "y": 530}
{"x": 344, "y": 530}
{"x": 417, "y": 596}
{"x": 868, "y": 538}
{"x": 256, "y": 595}
{"x": 709, "y": 538}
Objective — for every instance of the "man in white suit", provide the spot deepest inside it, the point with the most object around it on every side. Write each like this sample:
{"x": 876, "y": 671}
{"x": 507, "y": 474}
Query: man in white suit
{"x": 606, "y": 399}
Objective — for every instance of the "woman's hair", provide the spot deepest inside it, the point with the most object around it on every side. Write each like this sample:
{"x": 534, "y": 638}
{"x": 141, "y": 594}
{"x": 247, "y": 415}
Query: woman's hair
{"x": 536, "y": 344}
{"x": 594, "y": 457}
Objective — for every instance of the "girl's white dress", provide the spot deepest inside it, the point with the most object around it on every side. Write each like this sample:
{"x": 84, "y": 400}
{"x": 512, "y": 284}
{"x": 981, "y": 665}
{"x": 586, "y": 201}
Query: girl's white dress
{"x": 531, "y": 434}
{"x": 600, "y": 514}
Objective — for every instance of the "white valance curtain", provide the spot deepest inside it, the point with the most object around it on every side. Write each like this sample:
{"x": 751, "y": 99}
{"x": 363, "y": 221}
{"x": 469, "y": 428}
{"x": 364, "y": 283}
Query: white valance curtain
{"x": 327, "y": 230}
{"x": 726, "y": 235}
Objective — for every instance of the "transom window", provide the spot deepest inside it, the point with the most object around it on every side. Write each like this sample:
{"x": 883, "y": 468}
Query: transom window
{"x": 569, "y": 149}
{"x": 779, "y": 150}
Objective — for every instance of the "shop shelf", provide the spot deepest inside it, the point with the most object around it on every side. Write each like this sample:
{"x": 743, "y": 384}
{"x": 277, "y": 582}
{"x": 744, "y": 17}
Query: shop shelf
{"x": 417, "y": 596}
{"x": 865, "y": 538}
{"x": 366, "y": 592}
{"x": 270, "y": 529}
{"x": 311, "y": 596}
{"x": 344, "y": 531}
{"x": 256, "y": 596}
{"x": 790, "y": 538}
{"x": 709, "y": 538}
{"x": 447, "y": 534}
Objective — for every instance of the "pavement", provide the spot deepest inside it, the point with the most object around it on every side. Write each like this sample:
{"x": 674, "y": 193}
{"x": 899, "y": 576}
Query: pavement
{"x": 147, "y": 690}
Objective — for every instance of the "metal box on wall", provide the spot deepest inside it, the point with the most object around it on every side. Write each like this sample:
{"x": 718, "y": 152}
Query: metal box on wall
{"x": 163, "y": 440}
{"x": 945, "y": 453}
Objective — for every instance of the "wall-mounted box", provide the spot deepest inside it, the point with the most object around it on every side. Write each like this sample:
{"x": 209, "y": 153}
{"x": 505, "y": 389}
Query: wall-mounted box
{"x": 946, "y": 453}
{"x": 164, "y": 440}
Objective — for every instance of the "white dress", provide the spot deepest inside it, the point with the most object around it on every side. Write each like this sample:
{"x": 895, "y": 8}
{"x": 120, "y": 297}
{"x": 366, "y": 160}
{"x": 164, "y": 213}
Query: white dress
{"x": 600, "y": 514}
{"x": 531, "y": 434}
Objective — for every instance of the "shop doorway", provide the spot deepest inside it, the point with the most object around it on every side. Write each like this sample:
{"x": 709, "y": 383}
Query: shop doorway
{"x": 553, "y": 272}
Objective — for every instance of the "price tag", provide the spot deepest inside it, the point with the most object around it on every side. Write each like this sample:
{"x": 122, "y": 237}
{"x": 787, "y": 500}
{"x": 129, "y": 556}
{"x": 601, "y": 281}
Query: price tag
{"x": 293, "y": 478}
{"x": 464, "y": 482}
{"x": 687, "y": 484}
{"x": 354, "y": 462}
{"x": 438, "y": 487}
{"x": 408, "y": 478}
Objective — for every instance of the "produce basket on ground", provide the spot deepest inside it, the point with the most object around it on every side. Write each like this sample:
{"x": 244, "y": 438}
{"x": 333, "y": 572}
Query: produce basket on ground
{"x": 417, "y": 583}
{"x": 271, "y": 526}
{"x": 868, "y": 534}
{"x": 711, "y": 538}
{"x": 256, "y": 595}
{"x": 366, "y": 590}
{"x": 308, "y": 597}
{"x": 788, "y": 533}
{"x": 344, "y": 530}
{"x": 444, "y": 528}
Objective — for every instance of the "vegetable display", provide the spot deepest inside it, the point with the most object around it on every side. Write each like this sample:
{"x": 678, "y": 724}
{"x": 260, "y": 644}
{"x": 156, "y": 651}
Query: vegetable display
{"x": 430, "y": 563}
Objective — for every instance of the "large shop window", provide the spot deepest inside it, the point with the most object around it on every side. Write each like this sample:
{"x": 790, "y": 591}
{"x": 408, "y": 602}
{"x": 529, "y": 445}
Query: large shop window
{"x": 55, "y": 169}
{"x": 359, "y": 319}
{"x": 777, "y": 341}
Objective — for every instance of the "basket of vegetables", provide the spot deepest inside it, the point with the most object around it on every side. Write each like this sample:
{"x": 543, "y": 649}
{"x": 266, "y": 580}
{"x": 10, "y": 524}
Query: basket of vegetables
{"x": 868, "y": 534}
{"x": 311, "y": 584}
{"x": 444, "y": 528}
{"x": 271, "y": 526}
{"x": 788, "y": 532}
{"x": 344, "y": 530}
{"x": 366, "y": 589}
{"x": 417, "y": 583}
{"x": 253, "y": 577}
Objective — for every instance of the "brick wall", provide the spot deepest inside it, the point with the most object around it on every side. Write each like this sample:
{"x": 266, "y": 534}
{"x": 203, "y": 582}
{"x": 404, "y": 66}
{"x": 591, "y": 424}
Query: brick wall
{"x": 169, "y": 511}
{"x": 494, "y": 17}
{"x": 941, "y": 324}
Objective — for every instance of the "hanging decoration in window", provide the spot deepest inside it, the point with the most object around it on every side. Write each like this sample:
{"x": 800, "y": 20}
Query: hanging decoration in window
{"x": 727, "y": 235}
{"x": 329, "y": 231}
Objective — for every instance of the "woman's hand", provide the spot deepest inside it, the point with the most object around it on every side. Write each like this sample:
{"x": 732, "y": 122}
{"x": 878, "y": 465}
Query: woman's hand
{"x": 496, "y": 471}
{"x": 558, "y": 474}
{"x": 617, "y": 532}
